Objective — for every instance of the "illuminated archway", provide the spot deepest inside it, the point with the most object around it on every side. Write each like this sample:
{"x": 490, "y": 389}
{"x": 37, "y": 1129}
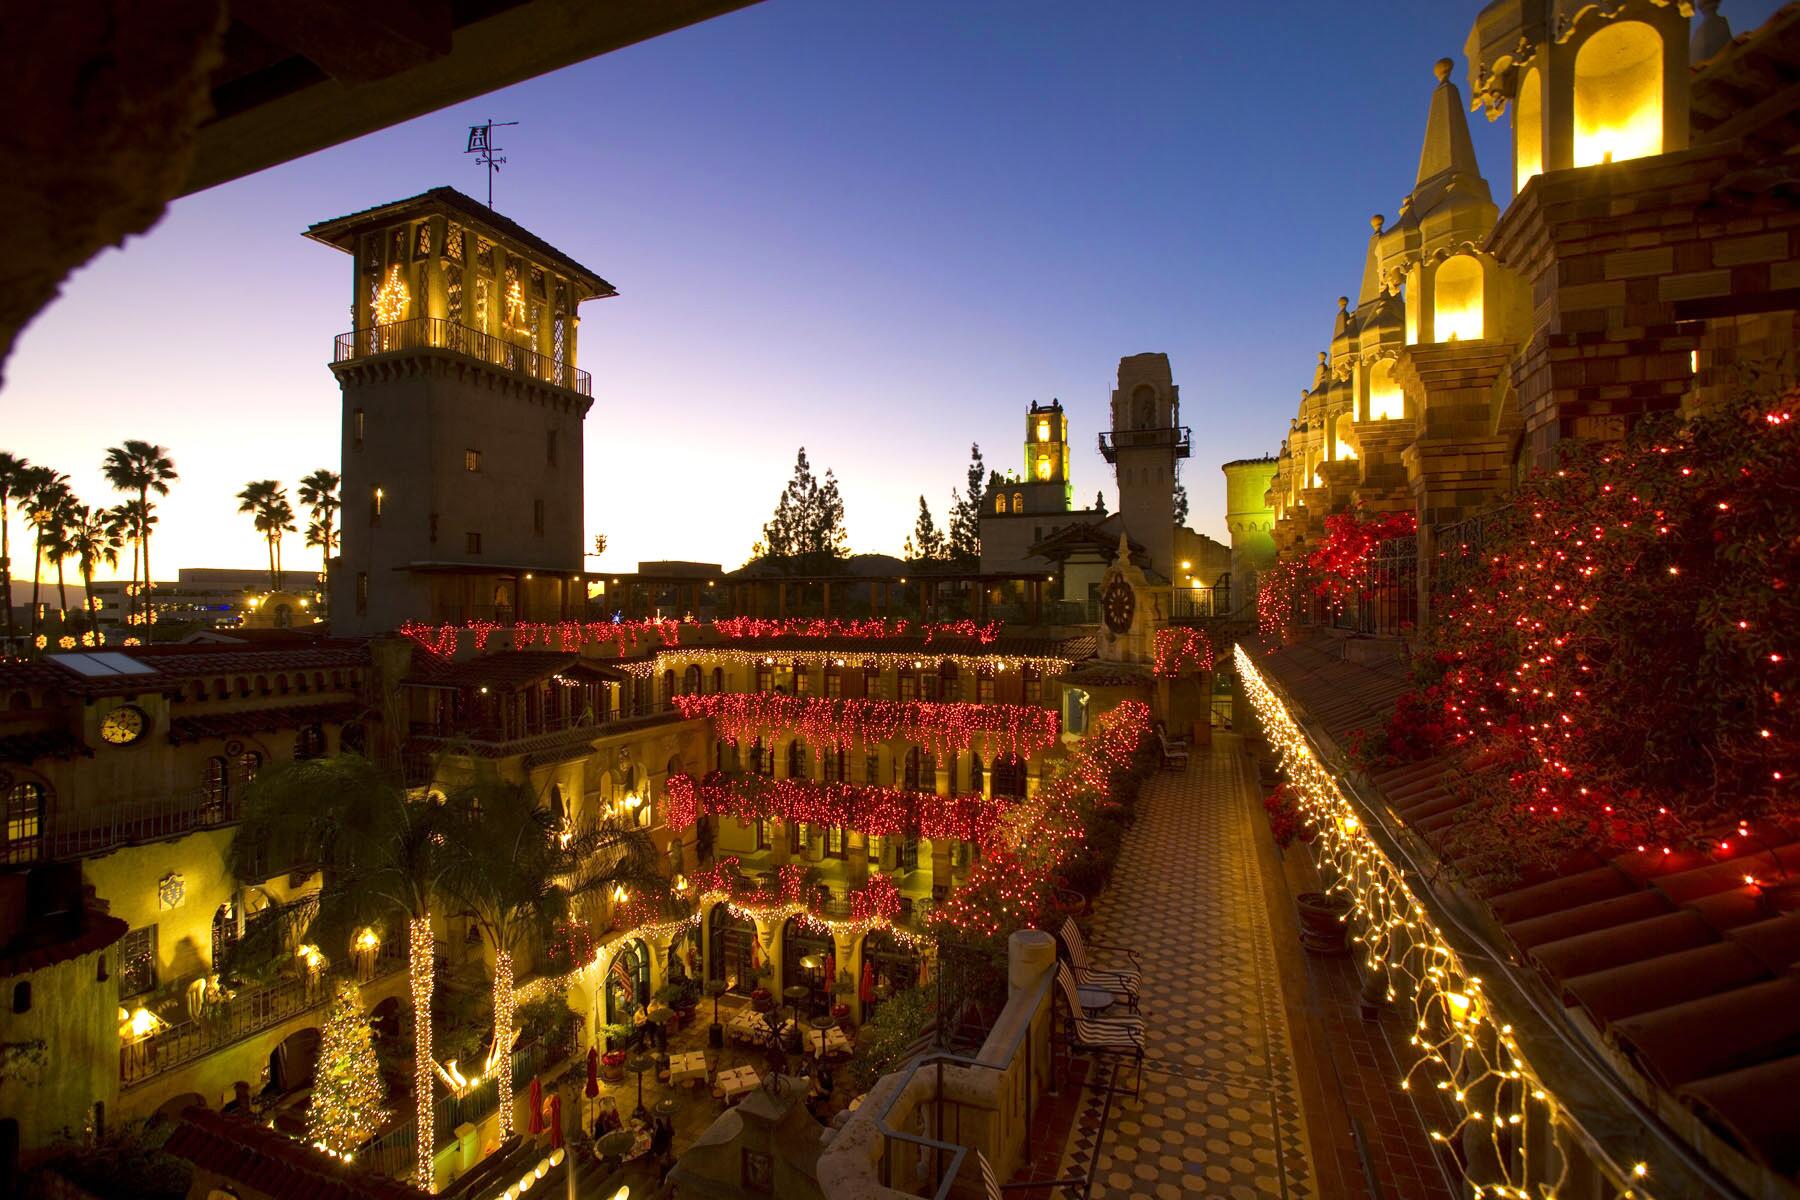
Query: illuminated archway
{"x": 1343, "y": 439}
{"x": 1386, "y": 401}
{"x": 1618, "y": 94}
{"x": 1456, "y": 314}
{"x": 1528, "y": 129}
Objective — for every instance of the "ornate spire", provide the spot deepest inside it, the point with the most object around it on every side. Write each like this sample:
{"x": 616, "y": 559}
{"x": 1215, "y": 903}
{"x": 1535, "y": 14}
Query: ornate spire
{"x": 1371, "y": 276}
{"x": 1447, "y": 146}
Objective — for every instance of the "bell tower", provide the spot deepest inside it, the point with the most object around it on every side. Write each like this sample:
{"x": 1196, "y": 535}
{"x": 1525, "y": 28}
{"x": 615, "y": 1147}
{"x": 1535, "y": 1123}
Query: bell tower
{"x": 1144, "y": 444}
{"x": 1047, "y": 450}
{"x": 462, "y": 417}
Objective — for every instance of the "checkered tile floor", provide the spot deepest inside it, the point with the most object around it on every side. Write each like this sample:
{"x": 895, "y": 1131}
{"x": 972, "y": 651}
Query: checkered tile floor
{"x": 1219, "y": 1114}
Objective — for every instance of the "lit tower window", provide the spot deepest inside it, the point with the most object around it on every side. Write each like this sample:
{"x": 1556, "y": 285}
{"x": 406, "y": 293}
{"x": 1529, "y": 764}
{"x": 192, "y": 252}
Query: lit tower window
{"x": 1618, "y": 94}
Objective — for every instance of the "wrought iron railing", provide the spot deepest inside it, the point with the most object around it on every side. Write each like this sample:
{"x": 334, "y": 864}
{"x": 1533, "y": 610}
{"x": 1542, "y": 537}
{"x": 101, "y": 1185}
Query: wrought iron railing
{"x": 1458, "y": 550}
{"x": 1202, "y": 603}
{"x": 1387, "y": 601}
{"x": 92, "y": 829}
{"x": 248, "y": 1012}
{"x": 1176, "y": 438}
{"x": 434, "y": 333}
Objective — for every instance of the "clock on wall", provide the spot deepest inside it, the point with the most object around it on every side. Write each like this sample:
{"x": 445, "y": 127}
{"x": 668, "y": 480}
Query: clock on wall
{"x": 1119, "y": 604}
{"x": 124, "y": 725}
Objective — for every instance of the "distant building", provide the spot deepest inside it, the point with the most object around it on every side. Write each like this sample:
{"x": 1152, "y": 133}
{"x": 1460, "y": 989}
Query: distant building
{"x": 1016, "y": 514}
{"x": 211, "y": 598}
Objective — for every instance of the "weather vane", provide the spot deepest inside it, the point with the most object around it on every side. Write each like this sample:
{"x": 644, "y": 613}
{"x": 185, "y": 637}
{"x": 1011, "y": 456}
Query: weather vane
{"x": 481, "y": 144}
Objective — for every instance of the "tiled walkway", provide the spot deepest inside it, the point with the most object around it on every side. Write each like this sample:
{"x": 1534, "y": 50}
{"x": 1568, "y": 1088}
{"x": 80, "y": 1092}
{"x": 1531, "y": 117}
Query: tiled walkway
{"x": 1220, "y": 1112}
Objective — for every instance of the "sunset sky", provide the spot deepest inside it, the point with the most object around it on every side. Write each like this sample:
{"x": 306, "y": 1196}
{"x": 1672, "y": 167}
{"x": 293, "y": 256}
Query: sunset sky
{"x": 879, "y": 230}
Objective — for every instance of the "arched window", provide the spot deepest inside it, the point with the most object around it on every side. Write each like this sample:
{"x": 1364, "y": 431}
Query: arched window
{"x": 243, "y": 686}
{"x": 1143, "y": 407}
{"x": 718, "y": 679}
{"x": 1618, "y": 94}
{"x": 249, "y": 763}
{"x": 1343, "y": 439}
{"x": 24, "y": 823}
{"x": 215, "y": 788}
{"x": 281, "y": 684}
{"x": 1456, "y": 314}
{"x": 309, "y": 742}
{"x": 1000, "y": 502}
{"x": 669, "y": 689}
{"x": 1018, "y": 502}
{"x": 262, "y": 685}
{"x": 796, "y": 760}
{"x": 690, "y": 681}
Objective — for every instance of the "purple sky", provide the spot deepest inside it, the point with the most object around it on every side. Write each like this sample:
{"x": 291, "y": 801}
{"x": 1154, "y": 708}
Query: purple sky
{"x": 878, "y": 230}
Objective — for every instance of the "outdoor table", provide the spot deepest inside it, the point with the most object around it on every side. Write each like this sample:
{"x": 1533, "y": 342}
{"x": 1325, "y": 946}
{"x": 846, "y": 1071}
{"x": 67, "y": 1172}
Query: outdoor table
{"x": 687, "y": 1068}
{"x": 836, "y": 1042}
{"x": 738, "y": 1081}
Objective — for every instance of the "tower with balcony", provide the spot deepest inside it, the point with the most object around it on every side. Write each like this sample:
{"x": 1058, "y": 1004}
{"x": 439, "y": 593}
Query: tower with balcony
{"x": 462, "y": 416}
{"x": 1144, "y": 445}
{"x": 1021, "y": 510}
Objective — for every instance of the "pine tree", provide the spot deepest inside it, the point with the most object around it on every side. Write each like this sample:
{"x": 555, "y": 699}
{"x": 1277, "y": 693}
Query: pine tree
{"x": 806, "y": 534}
{"x": 926, "y": 542}
{"x": 347, "y": 1088}
{"x": 965, "y": 513}
{"x": 1100, "y": 503}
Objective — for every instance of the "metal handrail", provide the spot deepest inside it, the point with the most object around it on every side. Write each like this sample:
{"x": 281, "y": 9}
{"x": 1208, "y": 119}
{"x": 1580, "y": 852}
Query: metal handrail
{"x": 87, "y": 830}
{"x": 435, "y": 333}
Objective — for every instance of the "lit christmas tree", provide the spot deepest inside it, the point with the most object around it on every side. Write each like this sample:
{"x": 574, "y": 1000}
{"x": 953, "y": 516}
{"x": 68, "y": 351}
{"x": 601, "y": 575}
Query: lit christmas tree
{"x": 347, "y": 1089}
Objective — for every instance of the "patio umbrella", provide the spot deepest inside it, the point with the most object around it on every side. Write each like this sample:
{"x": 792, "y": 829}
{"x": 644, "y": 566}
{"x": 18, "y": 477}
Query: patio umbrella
{"x": 556, "y": 1128}
{"x": 830, "y": 971}
{"x": 867, "y": 992}
{"x": 593, "y": 1084}
{"x": 536, "y": 1125}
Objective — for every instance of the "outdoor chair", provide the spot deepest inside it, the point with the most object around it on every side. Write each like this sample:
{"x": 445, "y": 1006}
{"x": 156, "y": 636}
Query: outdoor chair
{"x": 1174, "y": 751}
{"x": 1123, "y": 980}
{"x": 1102, "y": 1037}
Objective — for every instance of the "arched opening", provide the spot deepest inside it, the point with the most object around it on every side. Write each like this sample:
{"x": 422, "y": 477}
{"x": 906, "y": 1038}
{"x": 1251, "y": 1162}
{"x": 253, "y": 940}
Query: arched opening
{"x": 718, "y": 679}
{"x": 807, "y": 960}
{"x": 1386, "y": 401}
{"x": 1456, "y": 314}
{"x": 1343, "y": 439}
{"x": 628, "y": 982}
{"x": 1143, "y": 407}
{"x": 888, "y": 968}
{"x": 1018, "y": 502}
{"x": 249, "y": 763}
{"x": 690, "y": 681}
{"x": 1618, "y": 94}
{"x": 503, "y": 605}
{"x": 1000, "y": 502}
{"x": 731, "y": 949}
{"x": 976, "y": 773}
{"x": 309, "y": 742}
{"x": 668, "y": 689}
{"x": 1528, "y": 130}
{"x": 684, "y": 955}
{"x": 291, "y": 1063}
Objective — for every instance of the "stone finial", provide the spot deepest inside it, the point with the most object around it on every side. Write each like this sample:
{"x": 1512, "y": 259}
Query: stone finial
{"x": 1322, "y": 353}
{"x": 1442, "y": 68}
{"x": 1376, "y": 221}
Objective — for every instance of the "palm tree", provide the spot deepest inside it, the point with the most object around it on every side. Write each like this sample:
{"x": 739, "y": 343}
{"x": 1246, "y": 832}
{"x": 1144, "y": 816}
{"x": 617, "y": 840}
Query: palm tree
{"x": 42, "y": 497}
{"x": 93, "y": 537}
{"x": 14, "y": 471}
{"x": 514, "y": 871}
{"x": 319, "y": 492}
{"x": 383, "y": 855}
{"x": 141, "y": 467}
{"x": 267, "y": 503}
{"x": 137, "y": 519}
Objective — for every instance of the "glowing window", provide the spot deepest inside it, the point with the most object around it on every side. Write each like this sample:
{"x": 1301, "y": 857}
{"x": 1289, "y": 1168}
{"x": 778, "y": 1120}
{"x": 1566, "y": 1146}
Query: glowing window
{"x": 1528, "y": 130}
{"x": 1043, "y": 427}
{"x": 1344, "y": 448}
{"x": 1043, "y": 466}
{"x": 1386, "y": 401}
{"x": 1456, "y": 307}
{"x": 1018, "y": 502}
{"x": 1000, "y": 503}
{"x": 1618, "y": 94}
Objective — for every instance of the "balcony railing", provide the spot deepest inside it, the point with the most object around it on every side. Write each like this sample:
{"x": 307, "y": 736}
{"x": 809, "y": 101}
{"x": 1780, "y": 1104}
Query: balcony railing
{"x": 79, "y": 832}
{"x": 433, "y": 333}
{"x": 1176, "y": 438}
{"x": 1200, "y": 604}
{"x": 248, "y": 1012}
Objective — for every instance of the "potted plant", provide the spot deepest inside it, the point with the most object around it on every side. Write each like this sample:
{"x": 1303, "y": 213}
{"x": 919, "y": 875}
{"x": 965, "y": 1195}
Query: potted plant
{"x": 762, "y": 998}
{"x": 1323, "y": 929}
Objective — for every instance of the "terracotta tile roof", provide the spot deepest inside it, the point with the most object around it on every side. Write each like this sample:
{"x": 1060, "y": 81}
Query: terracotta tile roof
{"x": 1025, "y": 647}
{"x": 506, "y": 669}
{"x": 49, "y": 743}
{"x": 1691, "y": 973}
{"x": 259, "y": 720}
{"x": 272, "y": 1164}
{"x": 98, "y": 931}
{"x": 172, "y": 664}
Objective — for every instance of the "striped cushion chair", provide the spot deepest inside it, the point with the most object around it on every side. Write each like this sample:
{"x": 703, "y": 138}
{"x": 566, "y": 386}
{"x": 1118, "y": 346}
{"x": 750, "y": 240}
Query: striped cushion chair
{"x": 990, "y": 1183}
{"x": 1123, "y": 980}
{"x": 1122, "y": 1036}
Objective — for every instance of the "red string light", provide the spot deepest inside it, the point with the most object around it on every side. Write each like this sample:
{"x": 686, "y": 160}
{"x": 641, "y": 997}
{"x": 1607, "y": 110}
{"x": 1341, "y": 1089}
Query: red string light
{"x": 943, "y": 728}
{"x": 866, "y": 629}
{"x": 1180, "y": 649}
{"x": 568, "y": 636}
{"x": 882, "y": 812}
